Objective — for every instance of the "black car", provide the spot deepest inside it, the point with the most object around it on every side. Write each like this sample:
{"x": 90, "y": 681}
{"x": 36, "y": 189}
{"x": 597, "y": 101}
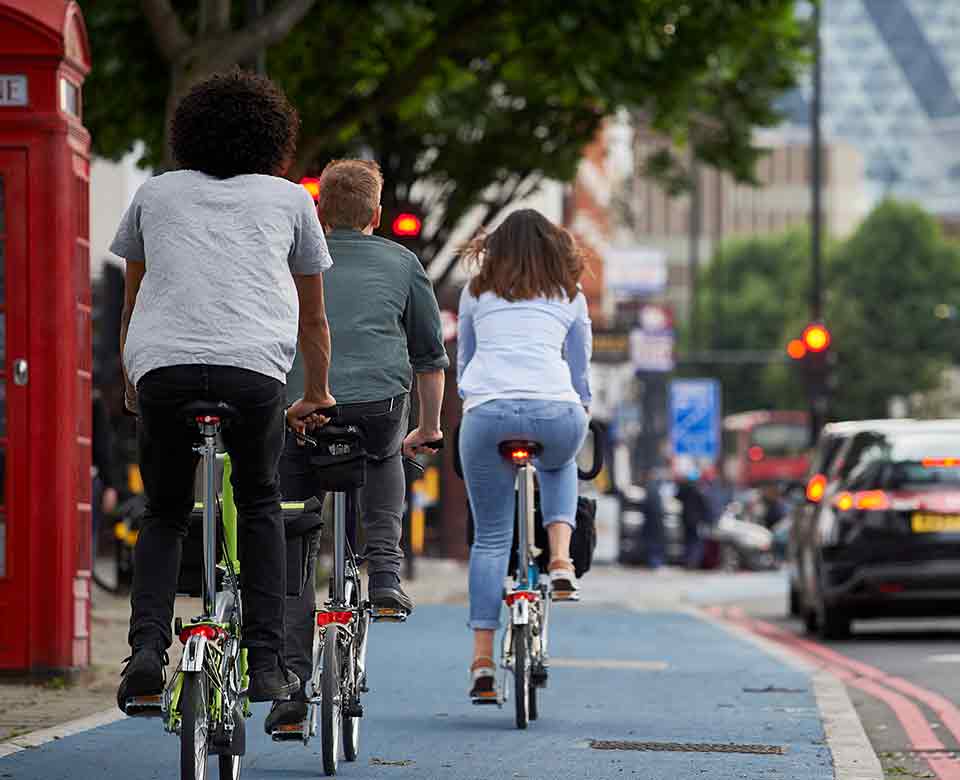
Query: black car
{"x": 884, "y": 539}
{"x": 830, "y": 464}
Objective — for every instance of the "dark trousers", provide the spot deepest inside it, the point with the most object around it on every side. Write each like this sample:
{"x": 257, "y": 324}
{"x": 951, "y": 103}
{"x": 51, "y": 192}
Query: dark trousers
{"x": 168, "y": 467}
{"x": 381, "y": 504}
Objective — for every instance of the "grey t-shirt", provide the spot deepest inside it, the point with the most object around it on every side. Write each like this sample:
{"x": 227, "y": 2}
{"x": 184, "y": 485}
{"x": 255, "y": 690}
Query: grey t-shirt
{"x": 220, "y": 257}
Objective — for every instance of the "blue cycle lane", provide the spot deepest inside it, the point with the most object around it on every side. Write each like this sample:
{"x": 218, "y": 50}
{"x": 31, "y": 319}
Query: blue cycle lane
{"x": 618, "y": 675}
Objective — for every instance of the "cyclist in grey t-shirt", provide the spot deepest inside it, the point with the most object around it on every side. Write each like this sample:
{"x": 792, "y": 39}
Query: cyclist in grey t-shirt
{"x": 223, "y": 260}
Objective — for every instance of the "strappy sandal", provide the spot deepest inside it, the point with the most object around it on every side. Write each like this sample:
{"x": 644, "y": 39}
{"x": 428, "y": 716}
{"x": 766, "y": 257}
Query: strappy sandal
{"x": 563, "y": 580}
{"x": 483, "y": 673}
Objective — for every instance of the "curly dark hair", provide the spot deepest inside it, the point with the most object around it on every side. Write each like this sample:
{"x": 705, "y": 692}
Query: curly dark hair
{"x": 235, "y": 123}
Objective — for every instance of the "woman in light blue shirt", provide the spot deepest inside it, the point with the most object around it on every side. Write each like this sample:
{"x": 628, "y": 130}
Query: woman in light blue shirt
{"x": 523, "y": 373}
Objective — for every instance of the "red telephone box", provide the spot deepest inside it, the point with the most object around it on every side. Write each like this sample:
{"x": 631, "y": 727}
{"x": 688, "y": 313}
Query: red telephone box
{"x": 45, "y": 343}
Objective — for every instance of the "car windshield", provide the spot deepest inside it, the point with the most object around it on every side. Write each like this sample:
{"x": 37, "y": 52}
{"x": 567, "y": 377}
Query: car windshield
{"x": 780, "y": 439}
{"x": 912, "y": 458}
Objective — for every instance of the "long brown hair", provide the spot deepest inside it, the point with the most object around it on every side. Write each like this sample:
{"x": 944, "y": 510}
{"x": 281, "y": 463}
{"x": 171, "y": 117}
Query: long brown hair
{"x": 526, "y": 257}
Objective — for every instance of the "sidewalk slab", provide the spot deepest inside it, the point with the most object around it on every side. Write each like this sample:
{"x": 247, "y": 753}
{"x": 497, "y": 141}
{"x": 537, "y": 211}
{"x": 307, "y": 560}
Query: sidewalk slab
{"x": 663, "y": 677}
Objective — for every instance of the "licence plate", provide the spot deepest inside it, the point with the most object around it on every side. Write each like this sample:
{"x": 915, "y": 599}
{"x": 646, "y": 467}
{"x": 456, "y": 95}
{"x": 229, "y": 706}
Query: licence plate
{"x": 924, "y": 523}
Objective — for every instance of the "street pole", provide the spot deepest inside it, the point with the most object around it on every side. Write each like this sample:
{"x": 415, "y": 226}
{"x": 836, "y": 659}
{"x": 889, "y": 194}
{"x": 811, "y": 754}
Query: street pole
{"x": 259, "y": 62}
{"x": 696, "y": 209}
{"x": 817, "y": 403}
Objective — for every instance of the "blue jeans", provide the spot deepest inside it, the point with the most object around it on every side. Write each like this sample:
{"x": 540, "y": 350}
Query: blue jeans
{"x": 561, "y": 428}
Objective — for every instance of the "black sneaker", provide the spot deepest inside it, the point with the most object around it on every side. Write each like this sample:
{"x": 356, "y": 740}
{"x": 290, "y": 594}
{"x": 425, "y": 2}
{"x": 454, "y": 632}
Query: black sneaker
{"x": 143, "y": 675}
{"x": 386, "y": 593}
{"x": 268, "y": 680}
{"x": 285, "y": 713}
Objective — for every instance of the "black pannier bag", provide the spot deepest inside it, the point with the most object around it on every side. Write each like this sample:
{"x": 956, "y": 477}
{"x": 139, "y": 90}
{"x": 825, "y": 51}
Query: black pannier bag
{"x": 301, "y": 521}
{"x": 302, "y": 524}
{"x": 582, "y": 544}
{"x": 190, "y": 582}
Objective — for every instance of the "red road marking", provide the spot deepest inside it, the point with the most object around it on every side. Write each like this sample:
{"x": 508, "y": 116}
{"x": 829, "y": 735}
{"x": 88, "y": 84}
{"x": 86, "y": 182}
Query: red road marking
{"x": 871, "y": 681}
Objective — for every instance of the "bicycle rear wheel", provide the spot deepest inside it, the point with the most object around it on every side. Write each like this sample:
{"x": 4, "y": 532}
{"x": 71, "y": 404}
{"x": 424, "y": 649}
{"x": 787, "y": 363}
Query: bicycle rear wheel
{"x": 194, "y": 727}
{"x": 330, "y": 701}
{"x": 522, "y": 684}
{"x": 351, "y": 724}
{"x": 229, "y": 767}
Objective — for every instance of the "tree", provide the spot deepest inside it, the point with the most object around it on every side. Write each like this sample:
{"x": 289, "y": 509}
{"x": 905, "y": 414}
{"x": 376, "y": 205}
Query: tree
{"x": 885, "y": 284}
{"x": 467, "y": 102}
{"x": 753, "y": 290}
{"x": 146, "y": 58}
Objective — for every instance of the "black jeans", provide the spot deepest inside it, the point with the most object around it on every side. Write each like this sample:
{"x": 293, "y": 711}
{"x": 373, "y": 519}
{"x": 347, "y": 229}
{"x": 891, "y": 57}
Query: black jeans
{"x": 168, "y": 467}
{"x": 381, "y": 505}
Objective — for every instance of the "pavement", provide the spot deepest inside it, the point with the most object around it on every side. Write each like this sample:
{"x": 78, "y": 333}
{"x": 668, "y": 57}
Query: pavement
{"x": 636, "y": 668}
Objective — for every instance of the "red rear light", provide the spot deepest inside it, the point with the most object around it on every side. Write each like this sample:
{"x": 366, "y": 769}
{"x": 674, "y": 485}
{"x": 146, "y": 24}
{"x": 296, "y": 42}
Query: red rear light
{"x": 755, "y": 454}
{"x": 844, "y": 502}
{"x": 816, "y": 487}
{"x": 210, "y": 632}
{"x": 872, "y": 500}
{"x": 940, "y": 463}
{"x": 326, "y": 618}
{"x": 866, "y": 500}
{"x": 520, "y": 455}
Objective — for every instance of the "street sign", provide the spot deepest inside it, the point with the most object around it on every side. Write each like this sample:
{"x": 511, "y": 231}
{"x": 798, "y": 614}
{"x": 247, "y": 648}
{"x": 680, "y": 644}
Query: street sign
{"x": 695, "y": 418}
{"x": 13, "y": 90}
{"x": 652, "y": 343}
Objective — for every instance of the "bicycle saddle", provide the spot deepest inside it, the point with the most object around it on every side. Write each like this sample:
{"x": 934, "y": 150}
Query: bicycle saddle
{"x": 219, "y": 409}
{"x": 512, "y": 448}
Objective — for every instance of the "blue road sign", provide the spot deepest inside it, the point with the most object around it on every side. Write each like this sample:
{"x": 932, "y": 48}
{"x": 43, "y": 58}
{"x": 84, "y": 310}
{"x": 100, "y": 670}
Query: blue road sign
{"x": 695, "y": 418}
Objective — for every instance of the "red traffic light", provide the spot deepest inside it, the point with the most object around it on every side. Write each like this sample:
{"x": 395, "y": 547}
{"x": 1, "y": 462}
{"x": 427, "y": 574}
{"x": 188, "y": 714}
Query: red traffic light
{"x": 407, "y": 225}
{"x": 816, "y": 338}
{"x": 796, "y": 349}
{"x": 311, "y": 185}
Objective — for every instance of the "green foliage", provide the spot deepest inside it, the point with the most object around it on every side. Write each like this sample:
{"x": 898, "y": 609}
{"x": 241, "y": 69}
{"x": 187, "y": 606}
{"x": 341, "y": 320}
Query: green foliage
{"x": 883, "y": 285}
{"x": 479, "y": 100}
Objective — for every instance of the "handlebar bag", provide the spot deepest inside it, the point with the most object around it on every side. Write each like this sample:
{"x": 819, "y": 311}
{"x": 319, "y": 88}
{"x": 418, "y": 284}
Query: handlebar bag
{"x": 339, "y": 462}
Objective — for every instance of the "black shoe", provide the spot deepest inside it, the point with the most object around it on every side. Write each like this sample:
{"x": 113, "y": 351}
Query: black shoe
{"x": 386, "y": 593}
{"x": 142, "y": 676}
{"x": 270, "y": 681}
{"x": 285, "y": 713}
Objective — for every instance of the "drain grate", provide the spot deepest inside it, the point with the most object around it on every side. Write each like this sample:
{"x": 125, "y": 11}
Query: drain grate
{"x": 687, "y": 747}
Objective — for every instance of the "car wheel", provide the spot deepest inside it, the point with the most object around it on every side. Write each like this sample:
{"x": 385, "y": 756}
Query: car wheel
{"x": 795, "y": 606}
{"x": 833, "y": 622}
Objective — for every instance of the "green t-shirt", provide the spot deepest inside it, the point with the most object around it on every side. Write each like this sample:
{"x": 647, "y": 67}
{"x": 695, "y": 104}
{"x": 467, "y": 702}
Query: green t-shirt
{"x": 384, "y": 320}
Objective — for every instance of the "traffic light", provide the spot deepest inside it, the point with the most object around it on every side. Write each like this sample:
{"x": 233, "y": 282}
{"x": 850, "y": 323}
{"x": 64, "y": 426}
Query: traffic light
{"x": 406, "y": 225}
{"x": 311, "y": 185}
{"x": 812, "y": 355}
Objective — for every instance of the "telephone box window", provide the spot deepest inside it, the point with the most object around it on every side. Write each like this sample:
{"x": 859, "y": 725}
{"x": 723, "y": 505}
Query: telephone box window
{"x": 69, "y": 98}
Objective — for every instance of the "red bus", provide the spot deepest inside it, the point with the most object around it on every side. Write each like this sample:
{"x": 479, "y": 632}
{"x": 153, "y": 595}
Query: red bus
{"x": 764, "y": 447}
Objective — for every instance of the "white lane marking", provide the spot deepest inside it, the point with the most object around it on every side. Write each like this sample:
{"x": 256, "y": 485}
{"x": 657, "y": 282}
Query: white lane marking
{"x": 41, "y": 737}
{"x": 947, "y": 658}
{"x": 608, "y": 663}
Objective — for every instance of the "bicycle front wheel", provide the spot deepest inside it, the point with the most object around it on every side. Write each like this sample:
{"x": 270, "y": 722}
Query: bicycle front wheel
{"x": 330, "y": 701}
{"x": 194, "y": 727}
{"x": 521, "y": 675}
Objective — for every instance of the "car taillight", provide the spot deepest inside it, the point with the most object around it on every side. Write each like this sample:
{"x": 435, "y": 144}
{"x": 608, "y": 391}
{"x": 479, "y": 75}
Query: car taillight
{"x": 940, "y": 463}
{"x": 866, "y": 500}
{"x": 756, "y": 454}
{"x": 816, "y": 487}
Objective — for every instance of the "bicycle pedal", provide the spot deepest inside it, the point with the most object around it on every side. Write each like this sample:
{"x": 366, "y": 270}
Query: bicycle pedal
{"x": 292, "y": 732}
{"x": 486, "y": 697}
{"x": 144, "y": 706}
{"x": 565, "y": 595}
{"x": 388, "y": 615}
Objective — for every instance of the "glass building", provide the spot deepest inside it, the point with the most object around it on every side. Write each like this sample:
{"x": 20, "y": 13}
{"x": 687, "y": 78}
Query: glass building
{"x": 891, "y": 87}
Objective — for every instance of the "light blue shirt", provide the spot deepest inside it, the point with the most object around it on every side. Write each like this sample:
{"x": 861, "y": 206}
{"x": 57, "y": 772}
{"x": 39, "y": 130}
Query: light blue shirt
{"x": 534, "y": 349}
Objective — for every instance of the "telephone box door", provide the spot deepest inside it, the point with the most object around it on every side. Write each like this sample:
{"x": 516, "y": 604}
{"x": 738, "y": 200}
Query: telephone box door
{"x": 14, "y": 386}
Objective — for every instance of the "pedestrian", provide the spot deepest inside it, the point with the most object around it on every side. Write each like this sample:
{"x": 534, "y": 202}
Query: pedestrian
{"x": 523, "y": 372}
{"x": 652, "y": 532}
{"x": 224, "y": 262}
{"x": 695, "y": 515}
